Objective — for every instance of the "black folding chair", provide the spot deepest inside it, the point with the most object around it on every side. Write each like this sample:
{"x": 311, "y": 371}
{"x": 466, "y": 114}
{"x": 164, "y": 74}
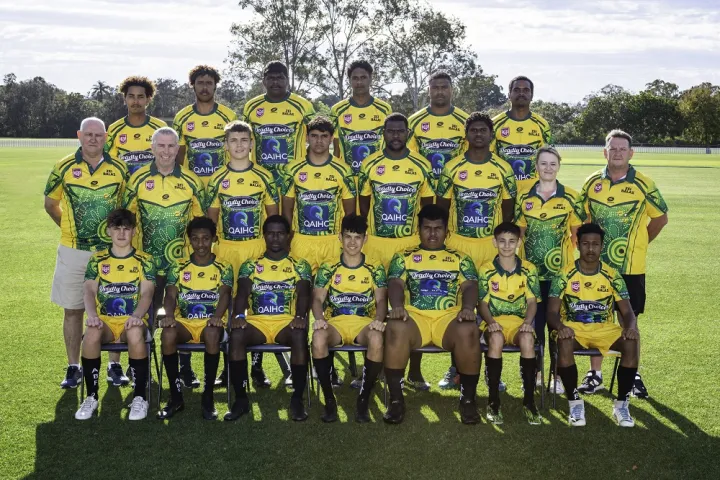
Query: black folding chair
{"x": 276, "y": 348}
{"x": 585, "y": 352}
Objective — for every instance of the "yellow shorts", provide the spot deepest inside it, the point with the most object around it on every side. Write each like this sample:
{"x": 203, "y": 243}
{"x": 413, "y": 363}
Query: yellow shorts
{"x": 432, "y": 323}
{"x": 195, "y": 327}
{"x": 349, "y": 327}
{"x": 316, "y": 249}
{"x": 238, "y": 252}
{"x": 596, "y": 335}
{"x": 117, "y": 325}
{"x": 269, "y": 328}
{"x": 480, "y": 250}
{"x": 510, "y": 325}
{"x": 381, "y": 250}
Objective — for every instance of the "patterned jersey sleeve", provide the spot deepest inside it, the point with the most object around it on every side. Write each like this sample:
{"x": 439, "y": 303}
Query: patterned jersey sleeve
{"x": 288, "y": 183}
{"x": 654, "y": 201}
{"x": 54, "y": 186}
{"x": 427, "y": 188}
{"x": 364, "y": 181}
{"x": 583, "y": 206}
{"x": 91, "y": 271}
{"x": 532, "y": 286}
{"x": 397, "y": 267}
{"x": 558, "y": 285}
{"x": 546, "y": 133}
{"x": 247, "y": 269}
{"x": 177, "y": 126}
{"x": 576, "y": 215}
{"x": 468, "y": 273}
{"x": 272, "y": 196}
{"x": 303, "y": 270}
{"x": 379, "y": 278}
{"x": 212, "y": 194}
{"x": 444, "y": 184}
{"x": 347, "y": 184}
{"x": 620, "y": 291}
{"x": 173, "y": 274}
{"x": 149, "y": 269}
{"x": 483, "y": 290}
{"x": 226, "y": 275}
{"x": 129, "y": 200}
{"x": 322, "y": 277}
{"x": 519, "y": 217}
{"x": 509, "y": 184}
{"x": 199, "y": 201}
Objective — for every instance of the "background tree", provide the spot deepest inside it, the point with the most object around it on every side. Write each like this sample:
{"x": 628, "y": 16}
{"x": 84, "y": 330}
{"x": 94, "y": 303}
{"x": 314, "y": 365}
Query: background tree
{"x": 100, "y": 91}
{"x": 700, "y": 105}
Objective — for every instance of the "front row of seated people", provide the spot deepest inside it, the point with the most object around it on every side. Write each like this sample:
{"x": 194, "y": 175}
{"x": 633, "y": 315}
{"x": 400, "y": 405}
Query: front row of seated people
{"x": 433, "y": 293}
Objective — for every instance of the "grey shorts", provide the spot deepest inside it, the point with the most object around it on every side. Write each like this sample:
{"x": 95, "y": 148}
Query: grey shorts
{"x": 67, "y": 286}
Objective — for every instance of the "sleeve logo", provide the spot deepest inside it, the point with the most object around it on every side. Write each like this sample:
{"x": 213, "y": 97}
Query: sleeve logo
{"x": 123, "y": 139}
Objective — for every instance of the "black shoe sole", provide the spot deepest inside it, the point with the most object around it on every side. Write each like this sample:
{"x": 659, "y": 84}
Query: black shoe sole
{"x": 168, "y": 414}
{"x": 362, "y": 418}
{"x": 209, "y": 414}
{"x": 233, "y": 416}
{"x": 393, "y": 421}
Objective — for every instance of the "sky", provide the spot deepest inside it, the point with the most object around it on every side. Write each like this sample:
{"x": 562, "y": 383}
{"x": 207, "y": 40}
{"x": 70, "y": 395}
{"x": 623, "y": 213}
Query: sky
{"x": 569, "y": 48}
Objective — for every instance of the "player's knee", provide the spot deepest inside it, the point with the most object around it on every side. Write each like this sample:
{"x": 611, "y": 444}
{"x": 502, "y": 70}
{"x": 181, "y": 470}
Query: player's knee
{"x": 92, "y": 337}
{"x": 135, "y": 335}
{"x": 168, "y": 336}
{"x": 395, "y": 331}
{"x": 375, "y": 340}
{"x": 298, "y": 338}
{"x": 496, "y": 340}
{"x": 212, "y": 335}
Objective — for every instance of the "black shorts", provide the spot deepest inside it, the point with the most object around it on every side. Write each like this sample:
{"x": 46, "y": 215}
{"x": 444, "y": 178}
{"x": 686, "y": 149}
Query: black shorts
{"x": 636, "y": 289}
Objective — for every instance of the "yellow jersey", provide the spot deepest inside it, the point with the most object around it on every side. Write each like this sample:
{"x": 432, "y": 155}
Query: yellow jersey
{"x": 395, "y": 188}
{"x": 241, "y": 197}
{"x": 588, "y": 298}
{"x": 359, "y": 129}
{"x": 517, "y": 141}
{"x": 204, "y": 138}
{"x": 350, "y": 290}
{"x": 279, "y": 128}
{"x": 507, "y": 293}
{"x": 86, "y": 198}
{"x": 199, "y": 287}
{"x": 476, "y": 192}
{"x": 438, "y": 138}
{"x": 318, "y": 191}
{"x": 623, "y": 209}
{"x": 132, "y": 145}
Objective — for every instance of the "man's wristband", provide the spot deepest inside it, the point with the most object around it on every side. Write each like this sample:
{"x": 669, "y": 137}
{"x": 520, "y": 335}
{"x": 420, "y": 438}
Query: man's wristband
{"x": 239, "y": 315}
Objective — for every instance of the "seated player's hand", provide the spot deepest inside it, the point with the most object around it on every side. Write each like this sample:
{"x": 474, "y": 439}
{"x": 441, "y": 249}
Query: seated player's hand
{"x": 466, "y": 315}
{"x": 215, "y": 322}
{"x": 298, "y": 323}
{"x": 239, "y": 322}
{"x": 494, "y": 327}
{"x": 168, "y": 322}
{"x": 133, "y": 321}
{"x": 93, "y": 321}
{"x": 377, "y": 325}
{"x": 526, "y": 328}
{"x": 320, "y": 324}
{"x": 631, "y": 334}
{"x": 398, "y": 313}
{"x": 566, "y": 333}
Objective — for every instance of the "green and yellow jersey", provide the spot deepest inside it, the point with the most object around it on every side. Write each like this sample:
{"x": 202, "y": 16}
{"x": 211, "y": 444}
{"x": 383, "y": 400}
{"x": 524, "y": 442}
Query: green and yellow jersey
{"x": 588, "y": 298}
{"x": 507, "y": 293}
{"x": 432, "y": 277}
{"x": 164, "y": 206}
{"x": 86, "y": 198}
{"x": 119, "y": 280}
{"x": 518, "y": 140}
{"x": 204, "y": 138}
{"x": 438, "y": 138}
{"x": 199, "y": 287}
{"x": 623, "y": 209}
{"x": 318, "y": 191}
{"x": 395, "y": 188}
{"x": 548, "y": 223}
{"x": 350, "y": 290}
{"x": 279, "y": 128}
{"x": 476, "y": 192}
{"x": 359, "y": 129}
{"x": 241, "y": 197}
{"x": 274, "y": 283}
{"x": 132, "y": 145}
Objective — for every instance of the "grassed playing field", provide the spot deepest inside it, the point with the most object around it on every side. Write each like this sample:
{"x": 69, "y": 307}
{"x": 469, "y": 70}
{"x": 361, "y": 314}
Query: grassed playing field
{"x": 677, "y": 433}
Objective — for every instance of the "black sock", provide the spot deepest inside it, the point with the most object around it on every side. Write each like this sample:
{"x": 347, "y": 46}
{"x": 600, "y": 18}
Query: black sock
{"x": 494, "y": 371}
{"x": 468, "y": 386}
{"x": 527, "y": 372}
{"x": 414, "y": 372}
{"x": 299, "y": 379}
{"x": 211, "y": 367}
{"x": 452, "y": 360}
{"x": 257, "y": 361}
{"x": 394, "y": 379}
{"x": 552, "y": 347}
{"x": 370, "y": 372}
{"x": 569, "y": 377}
{"x": 185, "y": 360}
{"x": 323, "y": 367}
{"x": 626, "y": 379}
{"x": 91, "y": 372}
{"x": 171, "y": 368}
{"x": 239, "y": 377}
{"x": 139, "y": 368}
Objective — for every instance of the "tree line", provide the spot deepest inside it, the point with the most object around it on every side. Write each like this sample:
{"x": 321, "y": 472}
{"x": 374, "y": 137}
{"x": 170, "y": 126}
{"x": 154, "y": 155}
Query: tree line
{"x": 406, "y": 41}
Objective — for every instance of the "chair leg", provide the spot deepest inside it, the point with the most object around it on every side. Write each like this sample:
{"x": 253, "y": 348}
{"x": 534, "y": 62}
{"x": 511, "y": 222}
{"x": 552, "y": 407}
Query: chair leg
{"x": 158, "y": 371}
{"x": 614, "y": 374}
{"x": 310, "y": 382}
{"x": 160, "y": 384}
{"x": 542, "y": 376}
{"x": 554, "y": 379}
{"x": 353, "y": 364}
{"x": 227, "y": 370}
{"x": 149, "y": 378}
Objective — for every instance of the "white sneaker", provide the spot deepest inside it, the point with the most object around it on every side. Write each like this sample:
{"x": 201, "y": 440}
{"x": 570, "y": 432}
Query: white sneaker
{"x": 621, "y": 413}
{"x": 577, "y": 413}
{"x": 87, "y": 408}
{"x": 559, "y": 389}
{"x": 138, "y": 409}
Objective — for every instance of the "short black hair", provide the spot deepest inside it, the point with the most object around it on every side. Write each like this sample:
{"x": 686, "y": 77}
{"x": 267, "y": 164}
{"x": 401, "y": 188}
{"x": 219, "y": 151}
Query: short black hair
{"x": 364, "y": 64}
{"x": 354, "y": 223}
{"x": 478, "y": 117}
{"x": 506, "y": 227}
{"x": 275, "y": 66}
{"x": 201, "y": 70}
{"x": 121, "y": 217}
{"x": 589, "y": 228}
{"x": 237, "y": 126}
{"x": 198, "y": 223}
{"x": 433, "y": 212}
{"x": 322, "y": 124}
{"x": 520, "y": 78}
{"x": 137, "y": 81}
{"x": 396, "y": 117}
{"x": 440, "y": 75}
{"x": 276, "y": 219}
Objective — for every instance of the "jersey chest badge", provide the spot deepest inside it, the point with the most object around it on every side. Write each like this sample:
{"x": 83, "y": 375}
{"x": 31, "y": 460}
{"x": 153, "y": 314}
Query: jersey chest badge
{"x": 302, "y": 177}
{"x": 259, "y": 112}
{"x": 348, "y": 118}
{"x": 380, "y": 169}
{"x": 417, "y": 258}
{"x": 123, "y": 139}
{"x": 149, "y": 185}
{"x": 598, "y": 187}
{"x": 425, "y": 127}
{"x": 338, "y": 278}
{"x": 105, "y": 268}
{"x": 225, "y": 184}
{"x": 528, "y": 205}
{"x": 259, "y": 268}
{"x": 575, "y": 286}
{"x": 190, "y": 126}
{"x": 463, "y": 175}
{"x": 187, "y": 276}
{"x": 505, "y": 132}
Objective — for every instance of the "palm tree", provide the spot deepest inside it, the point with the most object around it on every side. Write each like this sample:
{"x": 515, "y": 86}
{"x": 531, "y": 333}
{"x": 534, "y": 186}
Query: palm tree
{"x": 100, "y": 90}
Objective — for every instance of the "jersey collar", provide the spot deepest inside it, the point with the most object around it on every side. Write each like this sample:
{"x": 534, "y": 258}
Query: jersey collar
{"x": 502, "y": 271}
{"x": 79, "y": 159}
{"x": 240, "y": 171}
{"x": 154, "y": 171}
{"x": 326, "y": 162}
{"x": 510, "y": 116}
{"x": 215, "y": 107}
{"x": 287, "y": 95}
{"x": 450, "y": 112}
{"x": 482, "y": 162}
{"x": 439, "y": 249}
{"x": 559, "y": 191}
{"x": 407, "y": 152}
{"x": 362, "y": 262}
{"x": 629, "y": 177}
{"x": 127, "y": 121}
{"x": 132, "y": 252}
{"x": 577, "y": 267}
{"x": 278, "y": 260}
{"x": 357, "y": 105}
{"x": 192, "y": 260}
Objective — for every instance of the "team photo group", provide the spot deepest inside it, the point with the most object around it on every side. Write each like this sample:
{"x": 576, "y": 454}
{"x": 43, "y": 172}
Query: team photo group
{"x": 276, "y": 225}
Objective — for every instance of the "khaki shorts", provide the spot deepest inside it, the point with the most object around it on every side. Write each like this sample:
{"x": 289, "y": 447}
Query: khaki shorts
{"x": 69, "y": 276}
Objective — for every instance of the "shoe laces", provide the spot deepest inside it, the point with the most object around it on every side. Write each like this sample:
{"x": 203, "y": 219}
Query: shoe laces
{"x": 87, "y": 404}
{"x": 449, "y": 376}
{"x": 624, "y": 412}
{"x": 116, "y": 368}
{"x": 137, "y": 405}
{"x": 577, "y": 411}
{"x": 71, "y": 371}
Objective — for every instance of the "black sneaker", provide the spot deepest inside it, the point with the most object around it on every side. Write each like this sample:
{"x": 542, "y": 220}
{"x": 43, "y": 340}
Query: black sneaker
{"x": 240, "y": 407}
{"x": 592, "y": 383}
{"x": 638, "y": 389}
{"x": 362, "y": 410}
{"x": 418, "y": 383}
{"x": 188, "y": 378}
{"x": 335, "y": 380}
{"x": 259, "y": 379}
{"x": 169, "y": 410}
{"x": 222, "y": 380}
{"x": 208, "y": 409}
{"x": 469, "y": 414}
{"x": 297, "y": 410}
{"x": 395, "y": 413}
{"x": 331, "y": 414}
{"x": 131, "y": 377}
{"x": 73, "y": 377}
{"x": 116, "y": 376}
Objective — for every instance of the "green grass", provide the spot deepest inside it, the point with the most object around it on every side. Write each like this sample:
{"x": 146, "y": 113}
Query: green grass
{"x": 677, "y": 433}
